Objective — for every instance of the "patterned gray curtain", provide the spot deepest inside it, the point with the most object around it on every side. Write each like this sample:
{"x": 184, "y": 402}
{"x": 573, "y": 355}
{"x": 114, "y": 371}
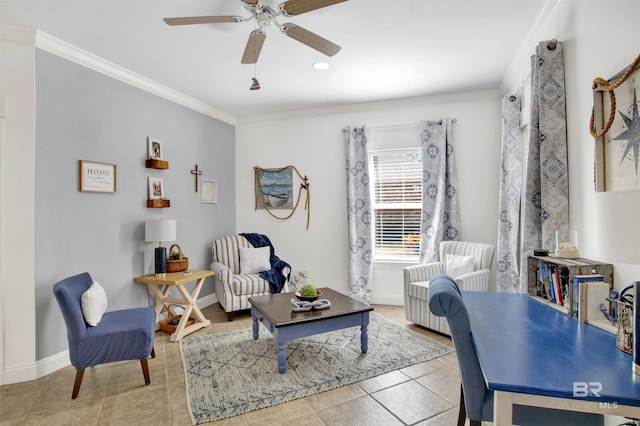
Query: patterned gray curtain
{"x": 359, "y": 214}
{"x": 440, "y": 209}
{"x": 508, "y": 277}
{"x": 546, "y": 197}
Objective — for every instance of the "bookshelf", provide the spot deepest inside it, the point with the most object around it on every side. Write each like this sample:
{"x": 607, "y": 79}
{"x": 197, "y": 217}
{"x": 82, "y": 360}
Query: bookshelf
{"x": 564, "y": 270}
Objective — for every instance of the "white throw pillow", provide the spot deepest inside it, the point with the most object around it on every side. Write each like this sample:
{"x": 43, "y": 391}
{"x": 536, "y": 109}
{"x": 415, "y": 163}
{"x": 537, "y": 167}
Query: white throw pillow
{"x": 458, "y": 265}
{"x": 254, "y": 260}
{"x": 93, "y": 303}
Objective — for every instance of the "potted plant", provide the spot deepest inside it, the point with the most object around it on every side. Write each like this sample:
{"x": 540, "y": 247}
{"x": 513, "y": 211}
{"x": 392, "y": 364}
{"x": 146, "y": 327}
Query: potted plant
{"x": 308, "y": 293}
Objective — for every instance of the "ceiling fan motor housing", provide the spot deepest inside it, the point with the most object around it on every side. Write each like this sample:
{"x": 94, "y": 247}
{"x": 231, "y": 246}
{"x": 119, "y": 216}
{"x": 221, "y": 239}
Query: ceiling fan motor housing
{"x": 264, "y": 17}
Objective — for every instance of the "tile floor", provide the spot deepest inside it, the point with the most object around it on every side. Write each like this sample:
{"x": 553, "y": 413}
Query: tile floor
{"x": 114, "y": 394}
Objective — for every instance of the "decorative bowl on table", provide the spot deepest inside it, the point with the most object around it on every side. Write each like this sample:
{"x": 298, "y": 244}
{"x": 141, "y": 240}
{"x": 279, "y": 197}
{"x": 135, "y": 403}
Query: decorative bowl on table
{"x": 308, "y": 298}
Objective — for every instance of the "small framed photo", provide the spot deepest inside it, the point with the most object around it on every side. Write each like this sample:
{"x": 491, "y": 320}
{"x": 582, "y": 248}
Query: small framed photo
{"x": 156, "y": 188}
{"x": 155, "y": 149}
{"x": 209, "y": 191}
{"x": 97, "y": 177}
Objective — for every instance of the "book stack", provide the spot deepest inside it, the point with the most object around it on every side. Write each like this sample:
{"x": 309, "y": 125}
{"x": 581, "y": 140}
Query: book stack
{"x": 589, "y": 292}
{"x": 553, "y": 281}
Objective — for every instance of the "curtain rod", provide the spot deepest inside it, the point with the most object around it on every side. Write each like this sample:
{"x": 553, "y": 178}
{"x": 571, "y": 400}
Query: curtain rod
{"x": 395, "y": 126}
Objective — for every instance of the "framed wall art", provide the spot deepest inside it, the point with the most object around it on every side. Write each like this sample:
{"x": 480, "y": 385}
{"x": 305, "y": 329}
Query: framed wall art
{"x": 156, "y": 188}
{"x": 209, "y": 191}
{"x": 97, "y": 177}
{"x": 617, "y": 130}
{"x": 274, "y": 188}
{"x": 155, "y": 149}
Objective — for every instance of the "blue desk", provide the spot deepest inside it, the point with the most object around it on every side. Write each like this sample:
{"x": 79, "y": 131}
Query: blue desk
{"x": 533, "y": 355}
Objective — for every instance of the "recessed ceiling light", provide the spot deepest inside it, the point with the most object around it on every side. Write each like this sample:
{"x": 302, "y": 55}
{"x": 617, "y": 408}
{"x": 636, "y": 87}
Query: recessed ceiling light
{"x": 321, "y": 66}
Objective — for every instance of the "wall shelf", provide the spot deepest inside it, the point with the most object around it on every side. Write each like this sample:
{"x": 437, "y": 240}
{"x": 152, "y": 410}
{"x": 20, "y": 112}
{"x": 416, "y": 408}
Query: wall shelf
{"x": 157, "y": 204}
{"x": 156, "y": 164}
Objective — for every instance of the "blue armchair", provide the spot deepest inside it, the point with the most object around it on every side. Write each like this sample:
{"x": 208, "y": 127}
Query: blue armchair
{"x": 476, "y": 401}
{"x": 126, "y": 334}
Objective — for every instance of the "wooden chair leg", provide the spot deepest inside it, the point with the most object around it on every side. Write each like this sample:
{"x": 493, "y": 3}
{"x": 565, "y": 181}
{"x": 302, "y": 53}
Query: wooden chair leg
{"x": 229, "y": 316}
{"x": 78, "y": 382}
{"x": 145, "y": 370}
{"x": 153, "y": 352}
{"x": 462, "y": 411}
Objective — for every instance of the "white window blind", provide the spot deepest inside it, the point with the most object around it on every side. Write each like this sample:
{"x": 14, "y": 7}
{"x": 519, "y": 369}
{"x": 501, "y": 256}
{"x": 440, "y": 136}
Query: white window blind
{"x": 396, "y": 203}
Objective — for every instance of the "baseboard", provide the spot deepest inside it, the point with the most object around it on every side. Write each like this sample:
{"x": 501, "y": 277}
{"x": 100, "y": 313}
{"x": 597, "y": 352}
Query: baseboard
{"x": 52, "y": 363}
{"x": 38, "y": 369}
{"x": 387, "y": 299}
{"x": 208, "y": 300}
{"x": 60, "y": 360}
{"x": 22, "y": 373}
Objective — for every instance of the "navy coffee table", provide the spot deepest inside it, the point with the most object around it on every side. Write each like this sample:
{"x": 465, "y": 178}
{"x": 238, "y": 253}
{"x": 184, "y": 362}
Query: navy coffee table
{"x": 274, "y": 310}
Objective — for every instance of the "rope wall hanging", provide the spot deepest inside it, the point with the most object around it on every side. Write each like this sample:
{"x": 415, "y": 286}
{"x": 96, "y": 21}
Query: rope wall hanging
{"x": 615, "y": 126}
{"x": 608, "y": 87}
{"x": 273, "y": 189}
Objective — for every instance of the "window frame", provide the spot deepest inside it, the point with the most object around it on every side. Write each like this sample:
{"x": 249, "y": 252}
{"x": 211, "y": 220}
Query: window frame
{"x": 386, "y": 257}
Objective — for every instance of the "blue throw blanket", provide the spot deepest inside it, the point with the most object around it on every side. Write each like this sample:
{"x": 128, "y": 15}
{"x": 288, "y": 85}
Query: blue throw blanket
{"x": 273, "y": 275}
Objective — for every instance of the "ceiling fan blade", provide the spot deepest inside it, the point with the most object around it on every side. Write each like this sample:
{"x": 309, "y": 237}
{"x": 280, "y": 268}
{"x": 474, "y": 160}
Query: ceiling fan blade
{"x": 190, "y": 20}
{"x": 312, "y": 40}
{"x": 296, "y": 7}
{"x": 253, "y": 47}
{"x": 251, "y": 2}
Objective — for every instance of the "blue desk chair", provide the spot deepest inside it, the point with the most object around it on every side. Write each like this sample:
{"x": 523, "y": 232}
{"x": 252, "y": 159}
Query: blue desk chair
{"x": 476, "y": 401}
{"x": 120, "y": 335}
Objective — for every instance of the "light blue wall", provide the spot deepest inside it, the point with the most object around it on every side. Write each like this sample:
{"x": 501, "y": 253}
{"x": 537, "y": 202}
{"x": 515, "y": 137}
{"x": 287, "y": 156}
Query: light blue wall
{"x": 83, "y": 114}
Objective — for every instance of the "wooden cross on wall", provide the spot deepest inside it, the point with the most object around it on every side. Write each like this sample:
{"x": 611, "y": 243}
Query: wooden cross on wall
{"x": 195, "y": 172}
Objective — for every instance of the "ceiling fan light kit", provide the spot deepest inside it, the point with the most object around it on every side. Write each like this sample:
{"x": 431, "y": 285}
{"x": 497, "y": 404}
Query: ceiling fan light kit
{"x": 265, "y": 15}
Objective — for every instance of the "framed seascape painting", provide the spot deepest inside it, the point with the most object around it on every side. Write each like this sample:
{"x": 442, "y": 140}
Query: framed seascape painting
{"x": 274, "y": 188}
{"x": 617, "y": 132}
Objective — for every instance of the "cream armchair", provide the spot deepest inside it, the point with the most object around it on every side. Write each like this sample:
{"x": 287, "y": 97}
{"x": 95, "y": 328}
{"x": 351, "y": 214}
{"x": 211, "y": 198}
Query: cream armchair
{"x": 233, "y": 285}
{"x": 468, "y": 263}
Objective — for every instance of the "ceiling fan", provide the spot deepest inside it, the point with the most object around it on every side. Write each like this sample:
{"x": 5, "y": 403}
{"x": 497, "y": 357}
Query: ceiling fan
{"x": 264, "y": 16}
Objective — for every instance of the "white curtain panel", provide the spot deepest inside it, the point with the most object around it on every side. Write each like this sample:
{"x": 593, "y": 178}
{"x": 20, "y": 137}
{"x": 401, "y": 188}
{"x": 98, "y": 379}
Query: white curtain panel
{"x": 440, "y": 209}
{"x": 546, "y": 197}
{"x": 508, "y": 277}
{"x": 359, "y": 214}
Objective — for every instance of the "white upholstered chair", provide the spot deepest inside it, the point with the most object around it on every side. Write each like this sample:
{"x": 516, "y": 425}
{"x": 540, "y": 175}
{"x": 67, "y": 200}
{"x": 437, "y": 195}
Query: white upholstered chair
{"x": 469, "y": 263}
{"x": 234, "y": 288}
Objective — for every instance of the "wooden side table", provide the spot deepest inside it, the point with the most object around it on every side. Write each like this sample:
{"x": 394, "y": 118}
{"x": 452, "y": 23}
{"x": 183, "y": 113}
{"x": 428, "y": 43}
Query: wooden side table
{"x": 160, "y": 285}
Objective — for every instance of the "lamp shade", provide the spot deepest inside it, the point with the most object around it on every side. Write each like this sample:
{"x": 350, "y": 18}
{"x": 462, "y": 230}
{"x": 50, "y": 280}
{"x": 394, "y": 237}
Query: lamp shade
{"x": 159, "y": 230}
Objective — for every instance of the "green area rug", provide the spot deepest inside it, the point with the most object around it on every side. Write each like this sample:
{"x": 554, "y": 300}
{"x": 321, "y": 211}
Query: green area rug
{"x": 228, "y": 374}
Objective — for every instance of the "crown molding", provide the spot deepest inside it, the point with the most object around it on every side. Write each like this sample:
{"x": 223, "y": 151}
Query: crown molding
{"x": 48, "y": 43}
{"x": 20, "y": 35}
{"x": 520, "y": 67}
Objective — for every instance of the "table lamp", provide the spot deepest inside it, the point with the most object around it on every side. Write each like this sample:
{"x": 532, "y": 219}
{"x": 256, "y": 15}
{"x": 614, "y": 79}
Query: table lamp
{"x": 160, "y": 230}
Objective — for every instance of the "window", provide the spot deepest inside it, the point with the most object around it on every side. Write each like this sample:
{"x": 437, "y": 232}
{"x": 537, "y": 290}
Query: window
{"x": 396, "y": 202}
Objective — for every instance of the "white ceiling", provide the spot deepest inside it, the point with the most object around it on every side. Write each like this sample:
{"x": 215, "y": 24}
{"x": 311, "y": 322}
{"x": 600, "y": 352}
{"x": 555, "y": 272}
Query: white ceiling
{"x": 390, "y": 48}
